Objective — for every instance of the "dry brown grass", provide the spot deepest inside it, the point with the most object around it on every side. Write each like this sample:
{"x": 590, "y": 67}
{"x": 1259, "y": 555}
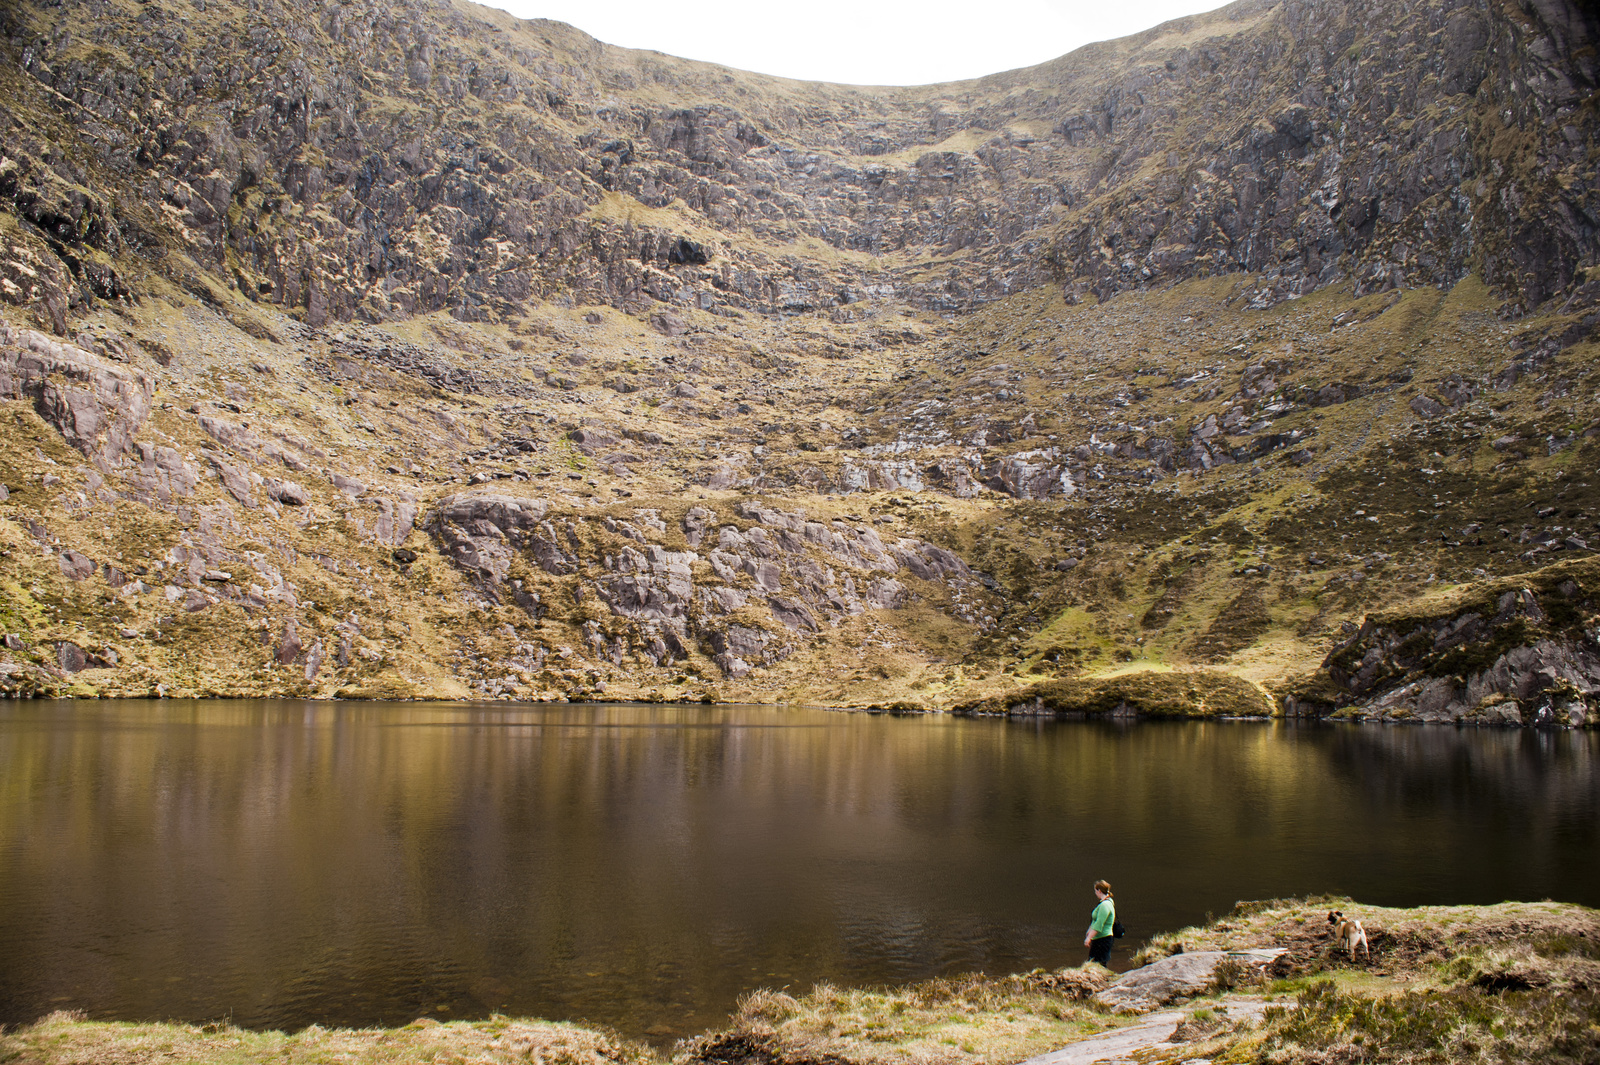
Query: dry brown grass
{"x": 954, "y": 1021}
{"x": 1404, "y": 941}
{"x": 64, "y": 1038}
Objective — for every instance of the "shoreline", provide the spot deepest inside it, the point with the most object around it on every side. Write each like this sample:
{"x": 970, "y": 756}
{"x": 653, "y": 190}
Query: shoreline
{"x": 1121, "y": 715}
{"x": 1262, "y": 983}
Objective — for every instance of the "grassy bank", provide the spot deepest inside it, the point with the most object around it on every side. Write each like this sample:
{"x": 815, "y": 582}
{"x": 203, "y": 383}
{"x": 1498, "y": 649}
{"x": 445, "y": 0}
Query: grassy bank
{"x": 1508, "y": 983}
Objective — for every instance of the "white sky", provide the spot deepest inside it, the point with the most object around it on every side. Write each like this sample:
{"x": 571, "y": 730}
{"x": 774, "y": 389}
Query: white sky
{"x": 861, "y": 42}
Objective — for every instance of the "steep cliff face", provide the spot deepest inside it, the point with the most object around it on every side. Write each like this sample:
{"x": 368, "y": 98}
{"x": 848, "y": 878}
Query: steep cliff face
{"x": 412, "y": 349}
{"x": 393, "y": 159}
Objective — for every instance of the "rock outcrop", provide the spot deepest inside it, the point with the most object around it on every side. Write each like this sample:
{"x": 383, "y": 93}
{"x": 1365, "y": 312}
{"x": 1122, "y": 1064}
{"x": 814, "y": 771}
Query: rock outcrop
{"x": 770, "y": 579}
{"x": 1167, "y": 980}
{"x": 97, "y": 407}
{"x": 1306, "y": 143}
{"x": 1503, "y": 656}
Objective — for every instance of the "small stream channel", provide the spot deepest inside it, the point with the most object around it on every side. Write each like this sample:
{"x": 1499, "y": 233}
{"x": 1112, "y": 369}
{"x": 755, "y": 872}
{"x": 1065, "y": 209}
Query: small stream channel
{"x": 280, "y": 863}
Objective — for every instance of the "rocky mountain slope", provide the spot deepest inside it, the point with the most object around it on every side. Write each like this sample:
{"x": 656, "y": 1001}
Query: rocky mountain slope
{"x": 413, "y": 350}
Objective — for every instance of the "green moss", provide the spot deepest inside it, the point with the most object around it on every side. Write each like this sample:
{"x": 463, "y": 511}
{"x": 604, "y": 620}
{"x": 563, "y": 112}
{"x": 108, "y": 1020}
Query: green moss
{"x": 1150, "y": 693}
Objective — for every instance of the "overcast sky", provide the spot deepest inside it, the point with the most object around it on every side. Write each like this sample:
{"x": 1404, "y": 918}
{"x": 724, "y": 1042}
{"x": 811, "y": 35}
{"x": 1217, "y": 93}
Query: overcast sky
{"x": 862, "y": 42}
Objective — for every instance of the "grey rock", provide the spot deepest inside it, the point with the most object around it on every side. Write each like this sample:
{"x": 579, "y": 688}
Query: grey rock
{"x": 652, "y": 584}
{"x": 96, "y": 406}
{"x": 1179, "y": 976}
{"x": 695, "y": 523}
{"x": 76, "y": 566}
{"x": 1426, "y": 407}
{"x": 1120, "y": 1045}
{"x": 71, "y": 657}
{"x": 792, "y": 613}
{"x": 592, "y": 441}
{"x": 1551, "y": 676}
{"x": 289, "y": 646}
{"x": 348, "y": 485}
{"x": 239, "y": 482}
{"x": 396, "y": 518}
{"x": 737, "y": 646}
{"x": 286, "y": 492}
{"x": 161, "y": 474}
{"x": 885, "y": 593}
{"x": 482, "y": 532}
{"x": 1030, "y": 475}
{"x": 669, "y": 323}
{"x": 723, "y": 600}
{"x": 953, "y": 478}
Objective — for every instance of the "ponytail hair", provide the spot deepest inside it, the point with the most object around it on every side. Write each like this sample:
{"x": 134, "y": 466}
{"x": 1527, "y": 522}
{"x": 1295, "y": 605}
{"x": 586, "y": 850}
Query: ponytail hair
{"x": 1104, "y": 887}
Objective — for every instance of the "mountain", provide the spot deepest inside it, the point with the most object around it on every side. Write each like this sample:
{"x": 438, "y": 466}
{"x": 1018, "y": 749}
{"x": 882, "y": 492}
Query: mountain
{"x": 1244, "y": 365}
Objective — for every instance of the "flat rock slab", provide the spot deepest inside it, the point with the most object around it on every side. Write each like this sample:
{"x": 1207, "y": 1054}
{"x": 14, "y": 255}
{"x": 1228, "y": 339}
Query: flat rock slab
{"x": 1158, "y": 983}
{"x": 1117, "y": 1045}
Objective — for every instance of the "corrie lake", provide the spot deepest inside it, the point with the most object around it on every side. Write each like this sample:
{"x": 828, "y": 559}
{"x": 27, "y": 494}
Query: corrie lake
{"x": 279, "y": 863}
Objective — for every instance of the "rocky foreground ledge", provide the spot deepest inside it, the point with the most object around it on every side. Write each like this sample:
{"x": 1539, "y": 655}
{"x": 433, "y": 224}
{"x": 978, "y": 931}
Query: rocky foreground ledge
{"x": 1512, "y": 982}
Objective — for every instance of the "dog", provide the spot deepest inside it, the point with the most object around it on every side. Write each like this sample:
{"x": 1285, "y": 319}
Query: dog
{"x": 1348, "y": 933}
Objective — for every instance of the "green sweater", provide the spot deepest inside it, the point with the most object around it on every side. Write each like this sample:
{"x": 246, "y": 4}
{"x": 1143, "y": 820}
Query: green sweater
{"x": 1104, "y": 916}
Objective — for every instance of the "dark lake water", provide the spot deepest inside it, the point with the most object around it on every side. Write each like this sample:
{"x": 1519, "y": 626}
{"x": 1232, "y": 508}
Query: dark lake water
{"x": 281, "y": 863}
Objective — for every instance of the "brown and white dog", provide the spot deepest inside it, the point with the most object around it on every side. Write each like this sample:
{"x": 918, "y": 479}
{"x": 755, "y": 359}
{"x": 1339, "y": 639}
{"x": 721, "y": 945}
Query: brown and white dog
{"x": 1348, "y": 933}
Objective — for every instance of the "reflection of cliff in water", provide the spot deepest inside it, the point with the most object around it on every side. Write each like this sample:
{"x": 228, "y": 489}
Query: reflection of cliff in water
{"x": 643, "y": 865}
{"x": 1523, "y": 776}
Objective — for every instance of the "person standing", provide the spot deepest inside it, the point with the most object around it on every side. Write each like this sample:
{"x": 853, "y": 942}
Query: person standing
{"x": 1099, "y": 937}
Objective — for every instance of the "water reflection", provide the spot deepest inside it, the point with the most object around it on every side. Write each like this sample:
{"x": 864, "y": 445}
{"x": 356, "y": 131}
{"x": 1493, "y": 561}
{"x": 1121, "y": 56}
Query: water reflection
{"x": 285, "y": 862}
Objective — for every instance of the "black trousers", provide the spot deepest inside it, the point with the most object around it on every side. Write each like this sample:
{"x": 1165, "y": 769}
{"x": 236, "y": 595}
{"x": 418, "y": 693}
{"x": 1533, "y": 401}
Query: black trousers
{"x": 1100, "y": 950}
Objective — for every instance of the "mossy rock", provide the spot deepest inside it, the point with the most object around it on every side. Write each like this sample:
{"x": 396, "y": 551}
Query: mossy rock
{"x": 1198, "y": 693}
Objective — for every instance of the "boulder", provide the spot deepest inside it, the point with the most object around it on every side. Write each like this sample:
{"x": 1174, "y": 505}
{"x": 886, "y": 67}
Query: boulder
{"x": 592, "y": 441}
{"x": 76, "y": 566}
{"x": 668, "y": 323}
{"x": 1179, "y": 976}
{"x": 1426, "y": 407}
{"x": 71, "y": 657}
{"x": 286, "y": 492}
{"x": 695, "y": 524}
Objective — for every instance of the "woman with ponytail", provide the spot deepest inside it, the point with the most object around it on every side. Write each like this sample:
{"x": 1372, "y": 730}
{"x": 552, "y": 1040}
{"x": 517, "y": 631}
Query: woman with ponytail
{"x": 1099, "y": 937}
